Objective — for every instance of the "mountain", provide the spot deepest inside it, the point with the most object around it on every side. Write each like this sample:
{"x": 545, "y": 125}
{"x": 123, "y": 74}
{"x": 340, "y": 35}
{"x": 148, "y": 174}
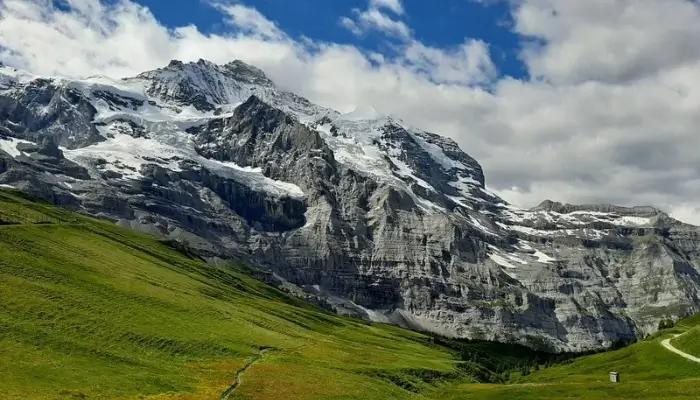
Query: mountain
{"x": 360, "y": 213}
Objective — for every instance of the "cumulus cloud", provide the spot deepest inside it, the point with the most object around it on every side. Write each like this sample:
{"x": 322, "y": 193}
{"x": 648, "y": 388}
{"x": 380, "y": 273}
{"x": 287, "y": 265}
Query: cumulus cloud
{"x": 392, "y": 5}
{"x": 374, "y": 18}
{"x": 469, "y": 63}
{"x": 610, "y": 114}
{"x": 250, "y": 21}
{"x": 607, "y": 40}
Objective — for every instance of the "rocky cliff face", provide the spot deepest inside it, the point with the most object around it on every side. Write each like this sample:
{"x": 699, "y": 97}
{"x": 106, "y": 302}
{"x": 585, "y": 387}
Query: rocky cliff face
{"x": 359, "y": 212}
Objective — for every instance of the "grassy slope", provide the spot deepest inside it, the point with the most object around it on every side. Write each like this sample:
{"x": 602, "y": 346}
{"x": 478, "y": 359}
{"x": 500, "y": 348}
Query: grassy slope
{"x": 89, "y": 310}
{"x": 647, "y": 371}
{"x": 689, "y": 341}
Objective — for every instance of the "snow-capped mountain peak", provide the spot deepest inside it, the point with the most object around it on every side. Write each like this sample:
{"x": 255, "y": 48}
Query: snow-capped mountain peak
{"x": 248, "y": 73}
{"x": 364, "y": 112}
{"x": 202, "y": 84}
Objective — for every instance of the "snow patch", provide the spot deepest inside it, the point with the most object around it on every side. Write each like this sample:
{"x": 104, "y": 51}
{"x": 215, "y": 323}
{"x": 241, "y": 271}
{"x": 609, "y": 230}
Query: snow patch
{"x": 631, "y": 220}
{"x": 465, "y": 185}
{"x": 501, "y": 261}
{"x": 10, "y": 76}
{"x": 437, "y": 154}
{"x": 405, "y": 171}
{"x": 543, "y": 258}
{"x": 9, "y": 146}
{"x": 516, "y": 259}
{"x": 529, "y": 231}
{"x": 510, "y": 274}
{"x": 358, "y": 148}
{"x": 480, "y": 226}
{"x": 460, "y": 202}
{"x": 251, "y": 177}
{"x": 126, "y": 155}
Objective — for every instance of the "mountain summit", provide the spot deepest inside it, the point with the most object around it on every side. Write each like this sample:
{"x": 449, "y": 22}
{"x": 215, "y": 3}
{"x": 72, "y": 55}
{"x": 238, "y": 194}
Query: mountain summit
{"x": 359, "y": 212}
{"x": 363, "y": 112}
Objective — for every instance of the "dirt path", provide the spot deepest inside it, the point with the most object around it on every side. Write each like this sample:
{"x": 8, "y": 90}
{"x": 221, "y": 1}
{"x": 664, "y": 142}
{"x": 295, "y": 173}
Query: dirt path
{"x": 239, "y": 375}
{"x": 667, "y": 344}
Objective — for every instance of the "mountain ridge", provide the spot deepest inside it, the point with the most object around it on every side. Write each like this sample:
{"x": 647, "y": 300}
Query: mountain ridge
{"x": 365, "y": 214}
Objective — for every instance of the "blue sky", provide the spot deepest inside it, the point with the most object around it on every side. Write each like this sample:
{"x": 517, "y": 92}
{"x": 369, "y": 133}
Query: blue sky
{"x": 441, "y": 27}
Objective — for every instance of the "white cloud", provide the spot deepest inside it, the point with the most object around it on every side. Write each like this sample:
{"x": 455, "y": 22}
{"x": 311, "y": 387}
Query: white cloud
{"x": 468, "y": 63}
{"x": 251, "y": 21}
{"x": 608, "y": 40}
{"x": 615, "y": 119}
{"x": 374, "y": 18}
{"x": 392, "y": 5}
{"x": 351, "y": 25}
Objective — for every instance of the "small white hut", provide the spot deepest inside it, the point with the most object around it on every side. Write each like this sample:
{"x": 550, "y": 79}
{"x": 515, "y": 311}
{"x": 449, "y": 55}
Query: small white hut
{"x": 615, "y": 377}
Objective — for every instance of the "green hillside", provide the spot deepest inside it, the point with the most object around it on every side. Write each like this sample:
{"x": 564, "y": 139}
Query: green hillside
{"x": 92, "y": 311}
{"x": 689, "y": 340}
{"x": 647, "y": 371}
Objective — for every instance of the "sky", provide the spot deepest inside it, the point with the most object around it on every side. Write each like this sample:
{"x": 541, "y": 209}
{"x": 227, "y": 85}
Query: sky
{"x": 594, "y": 101}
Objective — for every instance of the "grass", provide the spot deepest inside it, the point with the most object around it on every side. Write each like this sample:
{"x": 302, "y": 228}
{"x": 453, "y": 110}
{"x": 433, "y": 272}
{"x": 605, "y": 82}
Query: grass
{"x": 689, "y": 341}
{"x": 92, "y": 311}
